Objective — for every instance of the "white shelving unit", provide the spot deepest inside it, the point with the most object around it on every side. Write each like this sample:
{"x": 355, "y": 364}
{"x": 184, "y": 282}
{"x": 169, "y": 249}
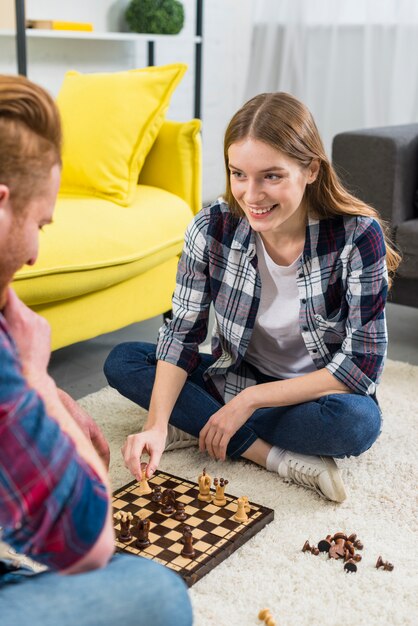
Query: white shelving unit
{"x": 22, "y": 34}
{"x": 32, "y": 33}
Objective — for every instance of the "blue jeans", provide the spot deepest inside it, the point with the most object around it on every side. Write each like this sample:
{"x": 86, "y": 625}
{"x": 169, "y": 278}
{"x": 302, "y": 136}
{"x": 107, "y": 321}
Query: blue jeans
{"x": 131, "y": 591}
{"x": 336, "y": 425}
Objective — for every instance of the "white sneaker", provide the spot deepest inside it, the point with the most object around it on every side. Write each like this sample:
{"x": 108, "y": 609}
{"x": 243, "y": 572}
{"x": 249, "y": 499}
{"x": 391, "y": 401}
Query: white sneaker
{"x": 319, "y": 473}
{"x": 177, "y": 439}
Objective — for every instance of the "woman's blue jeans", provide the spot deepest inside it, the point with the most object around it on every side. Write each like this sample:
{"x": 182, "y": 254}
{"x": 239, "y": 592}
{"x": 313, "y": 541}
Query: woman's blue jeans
{"x": 129, "y": 591}
{"x": 336, "y": 425}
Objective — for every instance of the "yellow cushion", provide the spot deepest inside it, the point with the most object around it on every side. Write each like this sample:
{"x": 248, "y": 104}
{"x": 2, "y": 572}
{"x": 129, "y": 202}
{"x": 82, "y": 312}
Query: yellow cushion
{"x": 92, "y": 244}
{"x": 110, "y": 122}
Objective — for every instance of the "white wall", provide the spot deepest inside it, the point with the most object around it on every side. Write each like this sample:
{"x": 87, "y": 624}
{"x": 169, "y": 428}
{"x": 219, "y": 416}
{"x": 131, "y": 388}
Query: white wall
{"x": 226, "y": 49}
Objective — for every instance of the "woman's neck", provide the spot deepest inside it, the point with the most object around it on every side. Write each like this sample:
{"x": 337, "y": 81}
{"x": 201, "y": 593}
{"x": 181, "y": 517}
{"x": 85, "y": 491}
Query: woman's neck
{"x": 287, "y": 242}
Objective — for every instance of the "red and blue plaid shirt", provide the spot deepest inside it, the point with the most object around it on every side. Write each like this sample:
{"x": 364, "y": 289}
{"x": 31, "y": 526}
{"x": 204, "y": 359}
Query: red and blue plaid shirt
{"x": 52, "y": 505}
{"x": 342, "y": 281}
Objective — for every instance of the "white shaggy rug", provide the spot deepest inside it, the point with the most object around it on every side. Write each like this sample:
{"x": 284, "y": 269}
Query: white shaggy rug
{"x": 270, "y": 570}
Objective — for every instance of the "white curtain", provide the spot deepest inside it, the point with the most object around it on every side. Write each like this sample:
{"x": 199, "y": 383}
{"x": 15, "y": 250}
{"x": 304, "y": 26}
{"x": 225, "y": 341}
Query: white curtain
{"x": 354, "y": 63}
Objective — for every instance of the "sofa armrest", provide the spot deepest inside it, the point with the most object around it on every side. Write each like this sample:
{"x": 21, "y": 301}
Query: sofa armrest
{"x": 175, "y": 162}
{"x": 380, "y": 166}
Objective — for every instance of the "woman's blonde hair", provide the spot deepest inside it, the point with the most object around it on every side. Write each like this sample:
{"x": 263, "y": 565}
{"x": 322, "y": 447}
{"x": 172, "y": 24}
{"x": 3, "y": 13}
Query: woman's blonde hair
{"x": 30, "y": 138}
{"x": 283, "y": 122}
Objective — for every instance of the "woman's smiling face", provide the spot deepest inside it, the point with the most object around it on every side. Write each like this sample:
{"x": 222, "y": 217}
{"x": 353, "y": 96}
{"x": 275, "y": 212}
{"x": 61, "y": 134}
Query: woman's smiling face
{"x": 268, "y": 185}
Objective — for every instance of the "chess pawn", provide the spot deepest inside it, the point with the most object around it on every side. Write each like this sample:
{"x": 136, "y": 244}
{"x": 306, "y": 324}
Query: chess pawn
{"x": 180, "y": 514}
{"x": 142, "y": 531}
{"x": 266, "y": 617}
{"x": 188, "y": 550}
{"x": 186, "y": 528}
{"x": 240, "y": 515}
{"x": 219, "y": 499}
{"x": 156, "y": 494}
{"x": 125, "y": 520}
{"x": 350, "y": 566}
{"x": 325, "y": 544}
{"x": 204, "y": 481}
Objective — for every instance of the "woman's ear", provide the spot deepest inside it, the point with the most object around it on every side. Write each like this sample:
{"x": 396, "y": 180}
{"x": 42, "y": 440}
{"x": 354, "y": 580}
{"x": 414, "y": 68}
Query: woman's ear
{"x": 313, "y": 170}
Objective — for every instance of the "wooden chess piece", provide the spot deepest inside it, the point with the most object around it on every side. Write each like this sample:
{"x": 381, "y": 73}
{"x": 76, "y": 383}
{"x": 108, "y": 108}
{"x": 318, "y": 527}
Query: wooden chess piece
{"x": 168, "y": 501}
{"x": 325, "y": 544}
{"x": 125, "y": 519}
{"x": 358, "y": 544}
{"x": 385, "y": 564}
{"x": 308, "y": 548}
{"x": 350, "y": 566}
{"x": 144, "y": 487}
{"x": 141, "y": 532}
{"x": 266, "y": 617}
{"x": 247, "y": 507}
{"x": 180, "y": 514}
{"x": 188, "y": 550}
{"x": 240, "y": 515}
{"x": 156, "y": 494}
{"x": 337, "y": 550}
{"x": 204, "y": 481}
{"x": 219, "y": 499}
{"x": 263, "y": 614}
{"x": 338, "y": 536}
{"x": 185, "y": 528}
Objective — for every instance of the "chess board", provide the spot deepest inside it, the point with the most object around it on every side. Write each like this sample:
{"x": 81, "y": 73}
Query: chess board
{"x": 216, "y": 534}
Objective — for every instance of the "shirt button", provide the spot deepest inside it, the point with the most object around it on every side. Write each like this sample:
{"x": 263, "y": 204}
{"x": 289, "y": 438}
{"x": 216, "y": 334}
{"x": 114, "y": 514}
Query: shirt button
{"x": 300, "y": 276}
{"x": 305, "y": 328}
{"x": 314, "y": 350}
{"x": 303, "y": 300}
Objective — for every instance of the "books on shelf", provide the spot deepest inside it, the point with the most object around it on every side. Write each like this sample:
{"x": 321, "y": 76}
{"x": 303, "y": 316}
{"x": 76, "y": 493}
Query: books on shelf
{"x": 59, "y": 25}
{"x": 7, "y": 14}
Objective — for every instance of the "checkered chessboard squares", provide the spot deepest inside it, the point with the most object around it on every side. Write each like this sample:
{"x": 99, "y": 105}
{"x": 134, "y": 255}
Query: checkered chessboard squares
{"x": 215, "y": 533}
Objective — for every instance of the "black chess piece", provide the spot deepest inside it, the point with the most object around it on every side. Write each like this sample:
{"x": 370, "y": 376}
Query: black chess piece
{"x": 141, "y": 532}
{"x": 325, "y": 544}
{"x": 188, "y": 550}
{"x": 125, "y": 520}
{"x": 180, "y": 514}
{"x": 168, "y": 501}
{"x": 350, "y": 566}
{"x": 184, "y": 528}
{"x": 156, "y": 495}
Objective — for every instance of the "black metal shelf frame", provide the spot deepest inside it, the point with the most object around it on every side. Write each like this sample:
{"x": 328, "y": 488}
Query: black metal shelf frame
{"x": 21, "y": 49}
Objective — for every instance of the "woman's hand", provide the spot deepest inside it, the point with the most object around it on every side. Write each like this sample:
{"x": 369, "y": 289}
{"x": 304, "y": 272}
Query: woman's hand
{"x": 218, "y": 430}
{"x": 151, "y": 442}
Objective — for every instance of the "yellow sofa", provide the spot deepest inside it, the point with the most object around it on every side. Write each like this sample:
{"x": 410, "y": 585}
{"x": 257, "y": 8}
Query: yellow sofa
{"x": 103, "y": 266}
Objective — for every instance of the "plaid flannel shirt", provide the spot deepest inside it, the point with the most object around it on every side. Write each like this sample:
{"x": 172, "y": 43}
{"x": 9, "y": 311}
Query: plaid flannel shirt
{"x": 52, "y": 505}
{"x": 342, "y": 281}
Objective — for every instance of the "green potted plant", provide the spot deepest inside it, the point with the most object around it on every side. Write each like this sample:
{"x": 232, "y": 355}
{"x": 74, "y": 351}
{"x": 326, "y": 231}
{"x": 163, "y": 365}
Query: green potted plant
{"x": 163, "y": 17}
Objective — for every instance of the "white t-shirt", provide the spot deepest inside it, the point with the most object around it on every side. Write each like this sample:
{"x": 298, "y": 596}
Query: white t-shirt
{"x": 276, "y": 347}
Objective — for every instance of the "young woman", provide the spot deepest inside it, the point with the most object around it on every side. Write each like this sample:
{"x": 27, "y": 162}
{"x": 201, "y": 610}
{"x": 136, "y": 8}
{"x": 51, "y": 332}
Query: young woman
{"x": 296, "y": 270}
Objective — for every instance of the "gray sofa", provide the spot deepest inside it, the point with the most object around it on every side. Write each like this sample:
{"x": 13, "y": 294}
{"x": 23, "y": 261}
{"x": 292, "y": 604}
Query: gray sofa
{"x": 380, "y": 166}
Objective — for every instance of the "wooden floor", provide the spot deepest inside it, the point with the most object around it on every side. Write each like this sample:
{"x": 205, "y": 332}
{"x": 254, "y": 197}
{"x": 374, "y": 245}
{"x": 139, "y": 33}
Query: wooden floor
{"x": 78, "y": 369}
